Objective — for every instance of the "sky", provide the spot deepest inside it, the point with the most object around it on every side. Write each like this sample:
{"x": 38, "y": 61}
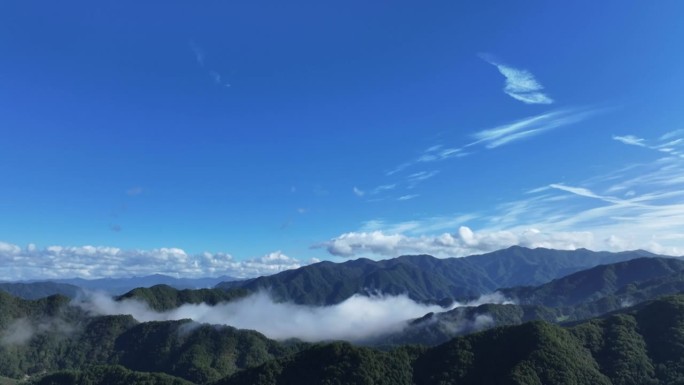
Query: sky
{"x": 244, "y": 138}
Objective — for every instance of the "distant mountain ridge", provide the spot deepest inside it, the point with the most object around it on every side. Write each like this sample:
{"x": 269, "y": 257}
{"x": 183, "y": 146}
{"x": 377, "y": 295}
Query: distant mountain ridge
{"x": 118, "y": 286}
{"x": 36, "y": 290}
{"x": 589, "y": 293}
{"x": 426, "y": 278}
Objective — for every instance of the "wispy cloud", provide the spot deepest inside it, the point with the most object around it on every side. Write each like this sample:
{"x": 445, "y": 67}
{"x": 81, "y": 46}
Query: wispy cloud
{"x": 490, "y": 138}
{"x": 500, "y": 135}
{"x": 407, "y": 197}
{"x": 630, "y": 139}
{"x": 531, "y": 126}
{"x": 635, "y": 206}
{"x": 201, "y": 60}
{"x": 199, "y": 53}
{"x": 520, "y": 84}
{"x": 432, "y": 154}
{"x": 419, "y": 177}
{"x": 668, "y": 143}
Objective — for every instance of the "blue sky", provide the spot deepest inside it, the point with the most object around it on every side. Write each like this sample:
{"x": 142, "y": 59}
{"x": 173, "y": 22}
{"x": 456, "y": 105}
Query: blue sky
{"x": 245, "y": 138}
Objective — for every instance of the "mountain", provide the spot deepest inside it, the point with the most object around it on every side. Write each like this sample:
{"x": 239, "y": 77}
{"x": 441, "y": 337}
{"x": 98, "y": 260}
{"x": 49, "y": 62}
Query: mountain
{"x": 578, "y": 296}
{"x": 118, "y": 286}
{"x": 36, "y": 290}
{"x": 49, "y": 334}
{"x": 164, "y": 297}
{"x": 592, "y": 284}
{"x": 426, "y": 278}
{"x": 437, "y": 328}
{"x": 641, "y": 345}
{"x": 108, "y": 375}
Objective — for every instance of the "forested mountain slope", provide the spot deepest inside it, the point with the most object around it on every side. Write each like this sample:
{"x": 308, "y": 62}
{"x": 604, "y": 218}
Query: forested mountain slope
{"x": 426, "y": 278}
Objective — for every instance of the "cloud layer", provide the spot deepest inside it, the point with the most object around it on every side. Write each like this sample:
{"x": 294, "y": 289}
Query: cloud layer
{"x": 18, "y": 263}
{"x": 357, "y": 318}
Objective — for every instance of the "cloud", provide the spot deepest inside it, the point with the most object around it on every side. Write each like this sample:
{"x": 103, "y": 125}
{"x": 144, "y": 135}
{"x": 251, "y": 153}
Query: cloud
{"x": 501, "y": 135}
{"x": 355, "y": 319}
{"x": 199, "y": 53}
{"x": 133, "y": 191}
{"x": 672, "y": 134}
{"x": 408, "y": 197}
{"x": 421, "y": 176}
{"x": 669, "y": 143}
{"x": 358, "y": 192}
{"x": 201, "y": 60}
{"x": 521, "y": 84}
{"x": 531, "y": 126}
{"x": 21, "y": 330}
{"x": 98, "y": 262}
{"x": 638, "y": 206}
{"x": 464, "y": 242}
{"x": 630, "y": 139}
{"x": 434, "y": 153}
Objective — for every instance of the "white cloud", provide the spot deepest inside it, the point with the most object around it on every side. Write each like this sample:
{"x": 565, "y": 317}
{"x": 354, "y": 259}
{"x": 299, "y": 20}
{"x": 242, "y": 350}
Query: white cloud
{"x": 521, "y": 84}
{"x": 630, "y": 140}
{"x": 462, "y": 243}
{"x": 374, "y": 242}
{"x": 98, "y": 261}
{"x": 531, "y": 126}
{"x": 669, "y": 143}
{"x": 358, "y": 192}
{"x": 638, "y": 206}
{"x": 356, "y": 318}
{"x": 408, "y": 197}
{"x": 421, "y": 176}
{"x": 672, "y": 134}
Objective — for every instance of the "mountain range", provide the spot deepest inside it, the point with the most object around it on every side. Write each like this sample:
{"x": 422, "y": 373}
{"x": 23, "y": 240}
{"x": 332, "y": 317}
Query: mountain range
{"x": 570, "y": 317}
{"x": 638, "y": 345}
{"x": 71, "y": 287}
{"x": 428, "y": 279}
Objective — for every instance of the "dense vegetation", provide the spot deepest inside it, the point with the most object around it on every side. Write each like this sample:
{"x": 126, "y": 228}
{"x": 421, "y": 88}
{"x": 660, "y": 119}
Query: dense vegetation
{"x": 595, "y": 283}
{"x": 644, "y": 345}
{"x": 108, "y": 375}
{"x": 639, "y": 345}
{"x": 426, "y": 278}
{"x": 164, "y": 297}
{"x": 48, "y": 335}
{"x": 579, "y": 296}
{"x": 57, "y": 343}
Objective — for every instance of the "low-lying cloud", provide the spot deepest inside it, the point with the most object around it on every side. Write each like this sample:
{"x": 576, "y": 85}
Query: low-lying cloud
{"x": 356, "y": 319}
{"x": 21, "y": 330}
